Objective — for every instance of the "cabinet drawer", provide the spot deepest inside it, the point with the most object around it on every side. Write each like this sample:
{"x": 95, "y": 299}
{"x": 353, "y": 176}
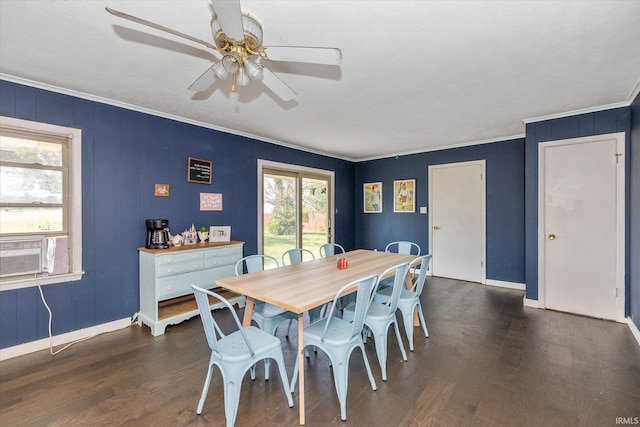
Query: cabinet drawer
{"x": 219, "y": 261}
{"x": 185, "y": 267}
{"x": 173, "y": 286}
{"x": 177, "y": 258}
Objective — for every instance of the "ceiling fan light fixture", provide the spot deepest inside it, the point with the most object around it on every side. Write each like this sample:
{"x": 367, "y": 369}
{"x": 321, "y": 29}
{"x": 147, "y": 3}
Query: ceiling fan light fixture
{"x": 253, "y": 70}
{"x": 242, "y": 78}
{"x": 219, "y": 71}
{"x": 230, "y": 64}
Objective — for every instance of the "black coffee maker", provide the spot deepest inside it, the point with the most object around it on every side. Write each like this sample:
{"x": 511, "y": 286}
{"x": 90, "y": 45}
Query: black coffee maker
{"x": 157, "y": 234}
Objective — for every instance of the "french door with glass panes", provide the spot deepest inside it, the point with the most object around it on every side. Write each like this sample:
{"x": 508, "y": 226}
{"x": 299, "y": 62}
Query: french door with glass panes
{"x": 295, "y": 208}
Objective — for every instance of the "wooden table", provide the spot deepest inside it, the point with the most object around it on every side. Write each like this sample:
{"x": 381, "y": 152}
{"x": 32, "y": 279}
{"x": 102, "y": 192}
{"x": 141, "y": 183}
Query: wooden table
{"x": 301, "y": 287}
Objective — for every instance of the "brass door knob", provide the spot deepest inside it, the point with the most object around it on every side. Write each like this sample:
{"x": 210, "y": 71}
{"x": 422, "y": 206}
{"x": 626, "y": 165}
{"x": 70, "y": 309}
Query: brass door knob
{"x": 552, "y": 236}
{"x": 435, "y": 227}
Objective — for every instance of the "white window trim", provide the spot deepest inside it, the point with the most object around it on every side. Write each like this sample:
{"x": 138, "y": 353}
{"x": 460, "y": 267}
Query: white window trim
{"x": 75, "y": 208}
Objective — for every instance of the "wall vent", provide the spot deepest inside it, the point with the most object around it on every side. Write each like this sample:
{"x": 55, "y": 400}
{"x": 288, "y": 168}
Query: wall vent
{"x": 20, "y": 255}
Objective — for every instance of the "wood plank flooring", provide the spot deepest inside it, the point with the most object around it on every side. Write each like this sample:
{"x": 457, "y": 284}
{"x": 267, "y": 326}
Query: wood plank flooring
{"x": 489, "y": 361}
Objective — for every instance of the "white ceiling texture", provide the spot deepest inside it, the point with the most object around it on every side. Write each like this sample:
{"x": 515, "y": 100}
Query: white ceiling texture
{"x": 415, "y": 75}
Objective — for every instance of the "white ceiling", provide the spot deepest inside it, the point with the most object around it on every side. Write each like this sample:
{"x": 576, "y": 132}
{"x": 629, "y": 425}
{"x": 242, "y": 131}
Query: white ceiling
{"x": 415, "y": 76}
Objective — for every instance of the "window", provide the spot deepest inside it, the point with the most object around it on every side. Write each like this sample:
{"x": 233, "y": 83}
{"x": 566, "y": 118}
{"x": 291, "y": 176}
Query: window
{"x": 40, "y": 201}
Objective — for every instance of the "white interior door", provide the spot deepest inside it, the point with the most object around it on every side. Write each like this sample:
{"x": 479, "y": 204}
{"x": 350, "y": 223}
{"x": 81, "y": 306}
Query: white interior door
{"x": 457, "y": 220}
{"x": 582, "y": 226}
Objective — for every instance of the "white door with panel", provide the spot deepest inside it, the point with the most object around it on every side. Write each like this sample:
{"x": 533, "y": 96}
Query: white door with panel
{"x": 581, "y": 226}
{"x": 457, "y": 220}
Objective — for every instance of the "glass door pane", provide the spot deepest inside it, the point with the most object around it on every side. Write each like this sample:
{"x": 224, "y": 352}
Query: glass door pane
{"x": 280, "y": 214}
{"x": 315, "y": 213}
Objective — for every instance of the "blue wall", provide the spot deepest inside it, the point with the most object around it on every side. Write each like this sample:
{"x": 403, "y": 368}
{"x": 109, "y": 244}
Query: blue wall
{"x": 505, "y": 203}
{"x": 124, "y": 153}
{"x": 634, "y": 215}
{"x": 601, "y": 122}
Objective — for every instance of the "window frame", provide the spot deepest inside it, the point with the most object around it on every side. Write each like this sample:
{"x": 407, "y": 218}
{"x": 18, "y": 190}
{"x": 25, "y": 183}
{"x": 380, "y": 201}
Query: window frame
{"x": 73, "y": 204}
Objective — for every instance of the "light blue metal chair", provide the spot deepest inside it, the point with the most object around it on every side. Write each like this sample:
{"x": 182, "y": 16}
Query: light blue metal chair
{"x": 329, "y": 249}
{"x": 235, "y": 354}
{"x": 410, "y": 299}
{"x": 338, "y": 338}
{"x": 297, "y": 255}
{"x": 401, "y": 247}
{"x": 266, "y": 316}
{"x": 381, "y": 315}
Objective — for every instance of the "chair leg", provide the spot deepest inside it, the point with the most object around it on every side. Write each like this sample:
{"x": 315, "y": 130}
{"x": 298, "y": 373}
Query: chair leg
{"x": 372, "y": 381}
{"x": 205, "y": 389}
{"x": 380, "y": 339}
{"x": 283, "y": 377}
{"x": 404, "y": 353}
{"x": 407, "y": 317}
{"x": 231, "y": 398}
{"x": 288, "y": 328}
{"x": 294, "y": 379}
{"x": 422, "y": 322}
{"x": 267, "y": 364}
{"x": 340, "y": 379}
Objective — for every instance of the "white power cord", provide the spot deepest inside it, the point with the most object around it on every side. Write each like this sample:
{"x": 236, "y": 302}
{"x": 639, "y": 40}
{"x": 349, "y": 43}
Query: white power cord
{"x": 50, "y": 320}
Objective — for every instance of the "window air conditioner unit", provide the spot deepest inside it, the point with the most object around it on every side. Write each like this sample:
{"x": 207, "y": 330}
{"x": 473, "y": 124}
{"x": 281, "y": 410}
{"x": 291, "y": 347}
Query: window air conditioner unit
{"x": 20, "y": 255}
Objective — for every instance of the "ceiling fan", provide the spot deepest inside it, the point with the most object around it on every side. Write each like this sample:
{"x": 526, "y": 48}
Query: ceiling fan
{"x": 238, "y": 36}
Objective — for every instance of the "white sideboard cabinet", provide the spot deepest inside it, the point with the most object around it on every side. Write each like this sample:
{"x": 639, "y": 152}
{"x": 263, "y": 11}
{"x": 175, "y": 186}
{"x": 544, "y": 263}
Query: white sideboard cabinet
{"x": 166, "y": 276}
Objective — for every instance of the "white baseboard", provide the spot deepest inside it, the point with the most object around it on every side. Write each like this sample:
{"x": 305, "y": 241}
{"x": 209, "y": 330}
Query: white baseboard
{"x": 634, "y": 329}
{"x": 533, "y": 303}
{"x": 509, "y": 285}
{"x": 30, "y": 347}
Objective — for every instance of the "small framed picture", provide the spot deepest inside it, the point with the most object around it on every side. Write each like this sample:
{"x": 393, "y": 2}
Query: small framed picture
{"x": 161, "y": 190}
{"x": 219, "y": 233}
{"x": 404, "y": 195}
{"x": 372, "y": 195}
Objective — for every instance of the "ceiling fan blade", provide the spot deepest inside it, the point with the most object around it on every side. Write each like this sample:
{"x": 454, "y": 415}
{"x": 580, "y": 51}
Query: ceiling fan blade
{"x": 203, "y": 82}
{"x": 276, "y": 84}
{"x": 158, "y": 27}
{"x": 313, "y": 55}
{"x": 230, "y": 18}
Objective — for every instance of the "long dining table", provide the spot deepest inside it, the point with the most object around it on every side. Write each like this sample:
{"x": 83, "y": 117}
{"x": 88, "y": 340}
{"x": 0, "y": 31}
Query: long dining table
{"x": 306, "y": 285}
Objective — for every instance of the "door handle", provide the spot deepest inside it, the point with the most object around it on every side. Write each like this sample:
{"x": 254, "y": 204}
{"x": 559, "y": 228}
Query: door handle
{"x": 436, "y": 227}
{"x": 552, "y": 236}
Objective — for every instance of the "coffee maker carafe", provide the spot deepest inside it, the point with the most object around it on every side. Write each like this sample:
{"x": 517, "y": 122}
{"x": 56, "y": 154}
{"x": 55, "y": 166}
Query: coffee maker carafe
{"x": 157, "y": 234}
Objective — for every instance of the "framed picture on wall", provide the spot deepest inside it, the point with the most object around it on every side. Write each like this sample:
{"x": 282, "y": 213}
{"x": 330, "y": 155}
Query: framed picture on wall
{"x": 372, "y": 195}
{"x": 404, "y": 195}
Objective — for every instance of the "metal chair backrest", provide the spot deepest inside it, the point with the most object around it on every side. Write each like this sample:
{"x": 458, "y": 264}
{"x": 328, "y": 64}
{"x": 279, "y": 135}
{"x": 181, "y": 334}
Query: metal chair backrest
{"x": 424, "y": 262}
{"x": 296, "y": 256}
{"x": 209, "y": 322}
{"x": 403, "y": 247}
{"x": 401, "y": 271}
{"x": 329, "y": 249}
{"x": 364, "y": 296}
{"x": 254, "y": 263}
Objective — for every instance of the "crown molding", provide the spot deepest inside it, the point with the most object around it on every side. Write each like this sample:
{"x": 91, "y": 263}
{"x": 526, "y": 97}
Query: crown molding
{"x": 576, "y": 112}
{"x": 634, "y": 93}
{"x": 446, "y": 147}
{"x": 137, "y": 108}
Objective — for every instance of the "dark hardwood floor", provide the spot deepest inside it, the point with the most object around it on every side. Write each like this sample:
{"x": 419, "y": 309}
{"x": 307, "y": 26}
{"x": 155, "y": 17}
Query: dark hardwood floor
{"x": 489, "y": 361}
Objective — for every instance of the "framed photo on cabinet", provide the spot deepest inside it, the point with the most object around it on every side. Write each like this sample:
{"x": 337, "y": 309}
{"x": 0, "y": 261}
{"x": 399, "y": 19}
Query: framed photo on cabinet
{"x": 404, "y": 195}
{"x": 219, "y": 233}
{"x": 372, "y": 196}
